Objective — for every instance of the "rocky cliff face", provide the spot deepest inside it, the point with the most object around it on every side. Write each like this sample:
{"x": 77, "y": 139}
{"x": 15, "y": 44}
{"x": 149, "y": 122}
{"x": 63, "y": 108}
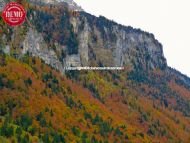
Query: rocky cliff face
{"x": 36, "y": 46}
{"x": 100, "y": 42}
{"x": 97, "y": 42}
{"x": 116, "y": 45}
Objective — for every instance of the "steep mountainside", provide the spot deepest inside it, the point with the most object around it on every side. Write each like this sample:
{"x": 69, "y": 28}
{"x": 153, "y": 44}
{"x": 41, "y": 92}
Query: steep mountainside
{"x": 41, "y": 102}
{"x": 70, "y": 3}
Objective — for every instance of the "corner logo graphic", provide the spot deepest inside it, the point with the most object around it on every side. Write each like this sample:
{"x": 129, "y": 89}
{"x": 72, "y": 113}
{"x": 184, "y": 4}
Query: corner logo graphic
{"x": 14, "y": 14}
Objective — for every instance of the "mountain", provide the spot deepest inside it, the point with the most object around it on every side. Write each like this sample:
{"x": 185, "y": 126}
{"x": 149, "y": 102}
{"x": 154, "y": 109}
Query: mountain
{"x": 40, "y": 101}
{"x": 70, "y": 3}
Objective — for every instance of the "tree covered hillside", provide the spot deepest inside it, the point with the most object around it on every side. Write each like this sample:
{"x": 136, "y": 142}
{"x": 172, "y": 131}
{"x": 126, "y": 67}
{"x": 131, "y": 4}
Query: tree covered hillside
{"x": 40, "y": 103}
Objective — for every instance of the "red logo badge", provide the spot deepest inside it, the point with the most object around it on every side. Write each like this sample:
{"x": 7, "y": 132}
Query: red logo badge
{"x": 14, "y": 14}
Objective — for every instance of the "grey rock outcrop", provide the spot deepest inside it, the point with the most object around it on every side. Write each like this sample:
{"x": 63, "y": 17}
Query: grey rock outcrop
{"x": 35, "y": 45}
{"x": 111, "y": 44}
{"x": 2, "y": 4}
